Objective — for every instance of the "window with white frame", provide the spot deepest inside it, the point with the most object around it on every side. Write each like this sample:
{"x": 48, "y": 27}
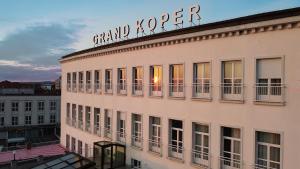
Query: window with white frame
{"x": 68, "y": 81}
{"x": 2, "y": 122}
{"x": 121, "y": 135}
{"x": 2, "y": 106}
{"x": 67, "y": 142}
{"x": 137, "y": 135}
{"x": 231, "y": 147}
{"x": 52, "y": 118}
{"x": 176, "y": 80}
{"x": 28, "y": 105}
{"x": 269, "y": 84}
{"x": 79, "y": 147}
{"x": 74, "y": 81}
{"x": 40, "y": 119}
{"x": 176, "y": 139}
{"x": 80, "y": 117}
{"x": 52, "y": 105}
{"x": 88, "y": 119}
{"x": 155, "y": 134}
{"x": 232, "y": 80}
{"x": 81, "y": 83}
{"x": 107, "y": 123}
{"x": 108, "y": 80}
{"x": 74, "y": 121}
{"x": 27, "y": 120}
{"x": 41, "y": 105}
{"x": 88, "y": 81}
{"x": 135, "y": 164}
{"x": 122, "y": 83}
{"x": 97, "y": 81}
{"x": 137, "y": 80}
{"x": 68, "y": 118}
{"x": 97, "y": 128}
{"x": 268, "y": 150}
{"x": 73, "y": 144}
{"x": 155, "y": 85}
{"x": 14, "y": 120}
{"x": 200, "y": 152}
{"x": 14, "y": 106}
{"x": 202, "y": 80}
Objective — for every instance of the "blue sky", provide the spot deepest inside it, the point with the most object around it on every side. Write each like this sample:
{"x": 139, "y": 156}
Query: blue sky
{"x": 34, "y": 34}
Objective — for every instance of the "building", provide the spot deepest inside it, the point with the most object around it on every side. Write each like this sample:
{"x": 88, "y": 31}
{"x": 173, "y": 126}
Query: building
{"x": 28, "y": 113}
{"x": 218, "y": 95}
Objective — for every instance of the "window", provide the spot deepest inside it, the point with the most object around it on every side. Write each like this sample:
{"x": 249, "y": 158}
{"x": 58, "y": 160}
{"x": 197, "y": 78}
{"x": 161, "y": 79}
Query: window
{"x": 27, "y": 120}
{"x": 156, "y": 80}
{"x": 200, "y": 152}
{"x": 231, "y": 147}
{"x": 202, "y": 80}
{"x": 68, "y": 81}
{"x": 176, "y": 139}
{"x": 86, "y": 150}
{"x": 14, "y": 106}
{"x": 28, "y": 106}
{"x": 232, "y": 82}
{"x": 73, "y": 144}
{"x": 108, "y": 80}
{"x": 135, "y": 164}
{"x": 176, "y": 81}
{"x": 74, "y": 82}
{"x": 121, "y": 135}
{"x": 97, "y": 128}
{"x": 269, "y": 86}
{"x": 52, "y": 105}
{"x": 97, "y": 81}
{"x": 268, "y": 150}
{"x": 79, "y": 147}
{"x": 122, "y": 77}
{"x": 68, "y": 118}
{"x": 137, "y": 135}
{"x": 137, "y": 80}
{"x": 74, "y": 115}
{"x": 52, "y": 118}
{"x": 81, "y": 84}
{"x": 2, "y": 106}
{"x": 2, "y": 121}
{"x": 40, "y": 119}
{"x": 107, "y": 123}
{"x": 41, "y": 105}
{"x": 14, "y": 120}
{"x": 88, "y": 119}
{"x": 88, "y": 81}
{"x": 155, "y": 134}
{"x": 67, "y": 142}
{"x": 80, "y": 117}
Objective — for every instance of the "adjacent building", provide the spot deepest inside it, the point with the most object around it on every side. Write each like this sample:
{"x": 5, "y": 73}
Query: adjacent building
{"x": 218, "y": 95}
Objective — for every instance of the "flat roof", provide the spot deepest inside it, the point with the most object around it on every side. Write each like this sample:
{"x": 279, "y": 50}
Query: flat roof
{"x": 204, "y": 27}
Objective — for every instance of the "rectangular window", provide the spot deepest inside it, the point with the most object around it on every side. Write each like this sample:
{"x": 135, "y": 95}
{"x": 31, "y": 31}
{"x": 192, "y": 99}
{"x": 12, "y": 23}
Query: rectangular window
{"x": 231, "y": 148}
{"x": 137, "y": 80}
{"x": 200, "y": 152}
{"x": 68, "y": 118}
{"x": 40, "y": 119}
{"x": 74, "y": 121}
{"x": 135, "y": 164}
{"x": 108, "y": 80}
{"x": 81, "y": 83}
{"x": 88, "y": 119}
{"x": 28, "y": 105}
{"x": 27, "y": 120}
{"x": 73, "y": 144}
{"x": 2, "y": 122}
{"x": 80, "y": 117}
{"x": 97, "y": 128}
{"x": 52, "y": 118}
{"x": 67, "y": 142}
{"x": 176, "y": 139}
{"x": 155, "y": 134}
{"x": 122, "y": 83}
{"x": 15, "y": 106}
{"x": 269, "y": 86}
{"x": 176, "y": 80}
{"x": 156, "y": 80}
{"x": 268, "y": 150}
{"x": 107, "y": 123}
{"x": 14, "y": 120}
{"x": 79, "y": 147}
{"x": 137, "y": 134}
{"x": 52, "y": 105}
{"x": 88, "y": 81}
{"x": 41, "y": 105}
{"x": 202, "y": 80}
{"x": 97, "y": 81}
{"x": 121, "y": 134}
{"x": 68, "y": 81}
{"x": 74, "y": 82}
{"x": 2, "y": 106}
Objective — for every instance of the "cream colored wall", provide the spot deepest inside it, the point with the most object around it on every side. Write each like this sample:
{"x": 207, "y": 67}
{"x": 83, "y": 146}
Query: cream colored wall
{"x": 248, "y": 116}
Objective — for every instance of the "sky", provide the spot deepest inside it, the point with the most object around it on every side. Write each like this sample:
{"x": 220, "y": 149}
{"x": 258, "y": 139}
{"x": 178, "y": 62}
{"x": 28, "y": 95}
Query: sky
{"x": 34, "y": 34}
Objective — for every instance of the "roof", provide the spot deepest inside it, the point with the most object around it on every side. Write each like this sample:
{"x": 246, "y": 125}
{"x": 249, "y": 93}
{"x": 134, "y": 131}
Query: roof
{"x": 7, "y": 84}
{"x": 204, "y": 27}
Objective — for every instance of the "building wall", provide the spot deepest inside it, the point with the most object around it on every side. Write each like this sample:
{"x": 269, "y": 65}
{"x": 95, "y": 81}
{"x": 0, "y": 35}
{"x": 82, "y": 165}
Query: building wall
{"x": 248, "y": 116}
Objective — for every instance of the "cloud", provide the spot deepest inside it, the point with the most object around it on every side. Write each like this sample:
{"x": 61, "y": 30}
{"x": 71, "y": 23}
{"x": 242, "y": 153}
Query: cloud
{"x": 36, "y": 49}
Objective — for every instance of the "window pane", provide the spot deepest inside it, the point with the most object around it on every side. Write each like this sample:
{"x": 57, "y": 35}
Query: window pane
{"x": 275, "y": 154}
{"x": 207, "y": 70}
{"x": 238, "y": 72}
{"x": 262, "y": 151}
{"x": 227, "y": 69}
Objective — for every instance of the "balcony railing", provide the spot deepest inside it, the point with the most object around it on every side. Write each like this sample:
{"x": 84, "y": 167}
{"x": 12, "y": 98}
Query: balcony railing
{"x": 200, "y": 158}
{"x": 88, "y": 87}
{"x": 230, "y": 163}
{"x": 122, "y": 88}
{"x": 232, "y": 91}
{"x": 81, "y": 87}
{"x": 97, "y": 88}
{"x": 155, "y": 89}
{"x": 176, "y": 151}
{"x": 269, "y": 92}
{"x": 121, "y": 137}
{"x": 74, "y": 87}
{"x": 109, "y": 88}
{"x": 97, "y": 130}
{"x": 137, "y": 89}
{"x": 80, "y": 124}
{"x": 176, "y": 89}
{"x": 202, "y": 90}
{"x": 88, "y": 127}
{"x": 137, "y": 141}
{"x": 107, "y": 132}
{"x": 155, "y": 146}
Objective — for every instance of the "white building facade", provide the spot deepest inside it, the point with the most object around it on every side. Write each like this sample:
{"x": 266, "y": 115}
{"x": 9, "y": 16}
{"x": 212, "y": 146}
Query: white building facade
{"x": 221, "y": 95}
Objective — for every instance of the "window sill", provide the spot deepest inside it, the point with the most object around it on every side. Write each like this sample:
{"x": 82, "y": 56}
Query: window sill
{"x": 268, "y": 103}
{"x": 136, "y": 148}
{"x": 176, "y": 98}
{"x": 120, "y": 94}
{"x": 232, "y": 101}
{"x": 202, "y": 99}
{"x": 195, "y": 165}
{"x": 176, "y": 159}
{"x": 137, "y": 95}
{"x": 108, "y": 93}
{"x": 156, "y": 97}
{"x": 155, "y": 153}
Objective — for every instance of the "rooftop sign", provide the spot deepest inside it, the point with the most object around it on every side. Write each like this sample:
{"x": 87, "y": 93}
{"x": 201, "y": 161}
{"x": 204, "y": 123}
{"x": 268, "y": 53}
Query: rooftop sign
{"x": 150, "y": 25}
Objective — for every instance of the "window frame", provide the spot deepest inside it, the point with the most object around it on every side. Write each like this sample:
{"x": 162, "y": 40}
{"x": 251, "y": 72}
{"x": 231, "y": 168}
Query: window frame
{"x": 206, "y": 96}
{"x": 178, "y": 94}
{"x": 122, "y": 83}
{"x": 152, "y": 92}
{"x": 137, "y": 86}
{"x": 108, "y": 83}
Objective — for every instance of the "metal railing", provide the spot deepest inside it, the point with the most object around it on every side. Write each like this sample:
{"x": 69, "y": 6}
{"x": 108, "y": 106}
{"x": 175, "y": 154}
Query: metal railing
{"x": 108, "y": 132}
{"x": 257, "y": 166}
{"x": 269, "y": 92}
{"x": 121, "y": 137}
{"x": 155, "y": 146}
{"x": 88, "y": 127}
{"x": 81, "y": 87}
{"x": 176, "y": 89}
{"x": 122, "y": 88}
{"x": 108, "y": 88}
{"x": 200, "y": 158}
{"x": 137, "y": 141}
{"x": 88, "y": 87}
{"x": 176, "y": 151}
{"x": 137, "y": 89}
{"x": 225, "y": 161}
{"x": 97, "y": 130}
{"x": 155, "y": 89}
{"x": 232, "y": 91}
{"x": 74, "y": 87}
{"x": 97, "y": 88}
{"x": 80, "y": 124}
{"x": 201, "y": 90}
